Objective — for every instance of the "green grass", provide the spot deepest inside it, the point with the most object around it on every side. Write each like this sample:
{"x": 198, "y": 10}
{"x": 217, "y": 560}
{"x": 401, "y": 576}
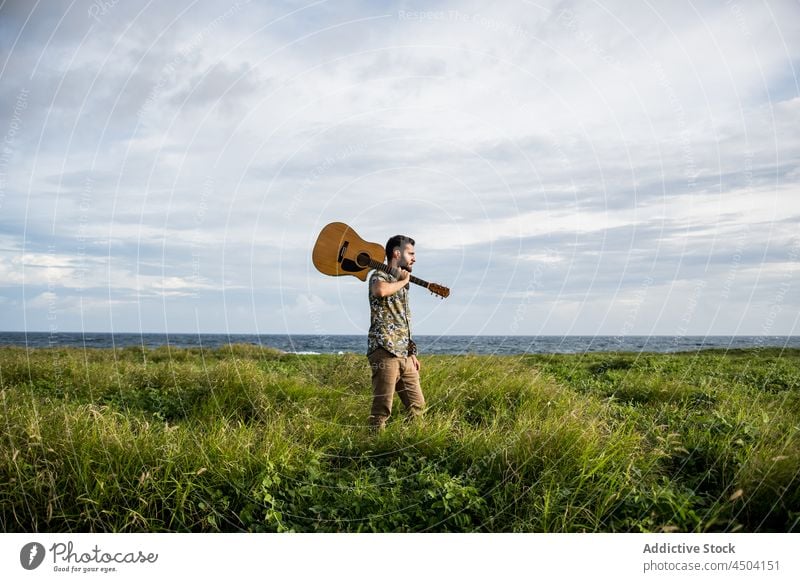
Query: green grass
{"x": 248, "y": 439}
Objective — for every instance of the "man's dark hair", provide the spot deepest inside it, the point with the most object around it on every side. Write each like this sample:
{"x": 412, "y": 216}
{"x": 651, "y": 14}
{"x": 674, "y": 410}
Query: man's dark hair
{"x": 397, "y": 240}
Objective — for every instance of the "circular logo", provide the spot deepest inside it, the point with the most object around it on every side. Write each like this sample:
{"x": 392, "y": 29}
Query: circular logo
{"x": 31, "y": 556}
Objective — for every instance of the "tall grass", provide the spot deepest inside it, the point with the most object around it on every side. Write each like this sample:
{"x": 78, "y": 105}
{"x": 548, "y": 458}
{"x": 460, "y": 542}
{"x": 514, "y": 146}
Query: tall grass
{"x": 244, "y": 438}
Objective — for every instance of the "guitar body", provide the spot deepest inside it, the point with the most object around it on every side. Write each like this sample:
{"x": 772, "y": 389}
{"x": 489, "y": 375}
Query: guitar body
{"x": 339, "y": 251}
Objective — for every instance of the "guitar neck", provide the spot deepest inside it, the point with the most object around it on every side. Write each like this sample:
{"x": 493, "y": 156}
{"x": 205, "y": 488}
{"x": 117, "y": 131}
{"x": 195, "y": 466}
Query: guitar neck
{"x": 386, "y": 269}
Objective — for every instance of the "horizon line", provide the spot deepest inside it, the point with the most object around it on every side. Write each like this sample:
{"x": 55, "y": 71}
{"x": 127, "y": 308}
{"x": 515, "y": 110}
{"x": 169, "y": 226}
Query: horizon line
{"x": 241, "y": 333}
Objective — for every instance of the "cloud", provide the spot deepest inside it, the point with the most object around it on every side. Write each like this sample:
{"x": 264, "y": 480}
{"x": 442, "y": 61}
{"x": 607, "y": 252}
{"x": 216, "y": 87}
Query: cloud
{"x": 200, "y": 148}
{"x": 43, "y": 300}
{"x": 309, "y": 310}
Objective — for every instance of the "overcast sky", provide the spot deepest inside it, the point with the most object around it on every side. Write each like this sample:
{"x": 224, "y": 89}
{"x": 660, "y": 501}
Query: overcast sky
{"x": 565, "y": 167}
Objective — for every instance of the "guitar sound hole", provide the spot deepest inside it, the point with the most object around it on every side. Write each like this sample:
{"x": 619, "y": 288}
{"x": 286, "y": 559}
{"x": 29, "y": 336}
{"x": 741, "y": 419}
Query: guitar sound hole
{"x": 363, "y": 260}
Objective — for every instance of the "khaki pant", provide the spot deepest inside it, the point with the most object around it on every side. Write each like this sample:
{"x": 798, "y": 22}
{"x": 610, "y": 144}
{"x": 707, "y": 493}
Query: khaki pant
{"x": 392, "y": 374}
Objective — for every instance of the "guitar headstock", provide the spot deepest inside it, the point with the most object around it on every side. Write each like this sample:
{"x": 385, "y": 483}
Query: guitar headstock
{"x": 439, "y": 290}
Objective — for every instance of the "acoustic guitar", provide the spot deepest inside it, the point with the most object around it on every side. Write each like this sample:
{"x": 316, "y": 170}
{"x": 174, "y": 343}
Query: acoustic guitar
{"x": 340, "y": 251}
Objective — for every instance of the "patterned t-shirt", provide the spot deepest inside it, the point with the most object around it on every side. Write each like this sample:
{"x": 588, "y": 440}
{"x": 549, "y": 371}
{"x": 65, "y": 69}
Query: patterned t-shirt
{"x": 390, "y": 319}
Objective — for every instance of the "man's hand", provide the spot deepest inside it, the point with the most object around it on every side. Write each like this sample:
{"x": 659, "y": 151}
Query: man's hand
{"x": 415, "y": 361}
{"x": 402, "y": 274}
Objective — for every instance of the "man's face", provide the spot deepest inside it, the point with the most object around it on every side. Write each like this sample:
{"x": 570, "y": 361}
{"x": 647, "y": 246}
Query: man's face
{"x": 407, "y": 257}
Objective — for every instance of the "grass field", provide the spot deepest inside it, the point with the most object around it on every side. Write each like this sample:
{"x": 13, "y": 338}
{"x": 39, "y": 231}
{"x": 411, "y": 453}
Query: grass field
{"x": 248, "y": 439}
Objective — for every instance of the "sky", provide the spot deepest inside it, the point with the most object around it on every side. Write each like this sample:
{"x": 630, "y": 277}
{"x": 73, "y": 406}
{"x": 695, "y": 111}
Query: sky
{"x": 591, "y": 168}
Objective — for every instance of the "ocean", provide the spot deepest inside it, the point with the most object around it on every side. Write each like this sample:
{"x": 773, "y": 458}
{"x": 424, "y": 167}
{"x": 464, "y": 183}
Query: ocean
{"x": 427, "y": 344}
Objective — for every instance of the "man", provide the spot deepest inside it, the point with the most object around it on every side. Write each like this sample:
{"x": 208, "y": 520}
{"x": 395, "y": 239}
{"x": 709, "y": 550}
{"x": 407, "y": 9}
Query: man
{"x": 391, "y": 352}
